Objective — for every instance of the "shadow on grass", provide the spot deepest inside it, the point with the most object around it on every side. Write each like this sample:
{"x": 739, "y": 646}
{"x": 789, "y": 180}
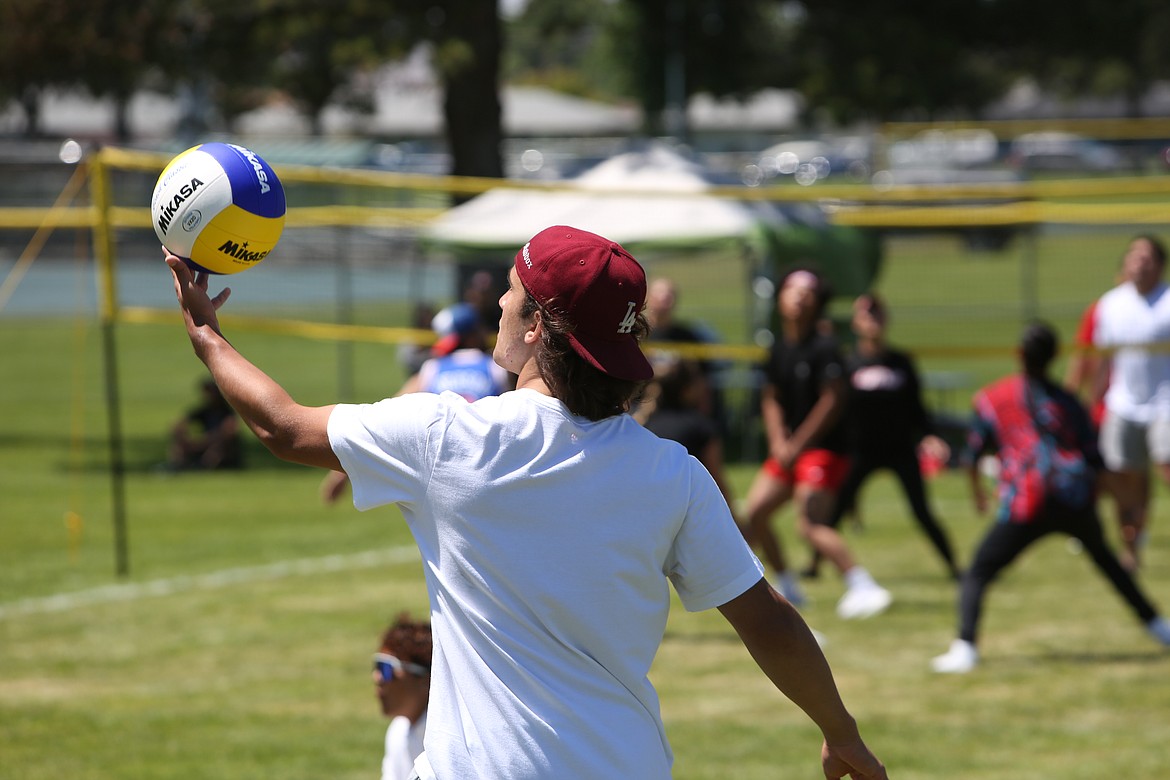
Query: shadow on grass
{"x": 140, "y": 454}
{"x": 1151, "y": 656}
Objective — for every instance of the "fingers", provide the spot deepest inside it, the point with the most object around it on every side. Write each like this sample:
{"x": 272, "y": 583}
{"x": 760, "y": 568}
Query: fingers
{"x": 181, "y": 270}
{"x": 180, "y": 273}
{"x": 221, "y": 299}
{"x": 187, "y": 280}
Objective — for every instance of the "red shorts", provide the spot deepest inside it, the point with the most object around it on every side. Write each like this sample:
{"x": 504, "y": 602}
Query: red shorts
{"x": 821, "y": 469}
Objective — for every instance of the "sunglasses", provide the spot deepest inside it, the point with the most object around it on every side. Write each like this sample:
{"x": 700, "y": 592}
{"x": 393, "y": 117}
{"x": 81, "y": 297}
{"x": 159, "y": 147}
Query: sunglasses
{"x": 389, "y": 667}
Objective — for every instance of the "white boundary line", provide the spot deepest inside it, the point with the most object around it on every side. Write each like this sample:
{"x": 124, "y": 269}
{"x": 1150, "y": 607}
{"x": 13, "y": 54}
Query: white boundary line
{"x": 109, "y": 594}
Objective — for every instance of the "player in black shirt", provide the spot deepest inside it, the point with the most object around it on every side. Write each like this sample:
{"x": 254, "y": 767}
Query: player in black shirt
{"x": 674, "y": 412}
{"x": 887, "y": 425}
{"x": 802, "y": 403}
{"x": 208, "y": 435}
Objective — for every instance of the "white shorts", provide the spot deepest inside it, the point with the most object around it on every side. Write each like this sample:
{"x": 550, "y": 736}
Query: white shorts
{"x": 1132, "y": 446}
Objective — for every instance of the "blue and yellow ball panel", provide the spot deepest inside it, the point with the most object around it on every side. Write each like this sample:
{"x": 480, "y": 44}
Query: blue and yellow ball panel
{"x": 220, "y": 207}
{"x": 255, "y": 188}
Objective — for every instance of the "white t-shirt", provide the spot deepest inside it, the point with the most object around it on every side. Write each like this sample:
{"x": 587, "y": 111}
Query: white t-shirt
{"x": 404, "y": 742}
{"x": 547, "y": 543}
{"x": 1139, "y": 382}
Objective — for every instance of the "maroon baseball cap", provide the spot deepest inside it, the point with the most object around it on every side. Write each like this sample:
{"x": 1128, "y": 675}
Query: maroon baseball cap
{"x": 598, "y": 287}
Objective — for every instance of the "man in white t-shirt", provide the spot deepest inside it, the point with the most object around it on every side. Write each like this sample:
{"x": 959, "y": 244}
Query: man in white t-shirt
{"x": 550, "y": 524}
{"x": 1133, "y": 326}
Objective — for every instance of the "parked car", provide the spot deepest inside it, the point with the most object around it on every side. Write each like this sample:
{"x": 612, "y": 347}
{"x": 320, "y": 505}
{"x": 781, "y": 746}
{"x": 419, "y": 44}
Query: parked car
{"x": 944, "y": 149}
{"x": 1059, "y": 151}
{"x": 809, "y": 161}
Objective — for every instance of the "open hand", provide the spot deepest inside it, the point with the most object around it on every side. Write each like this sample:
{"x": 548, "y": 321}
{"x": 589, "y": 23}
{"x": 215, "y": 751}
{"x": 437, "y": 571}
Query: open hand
{"x": 934, "y": 447}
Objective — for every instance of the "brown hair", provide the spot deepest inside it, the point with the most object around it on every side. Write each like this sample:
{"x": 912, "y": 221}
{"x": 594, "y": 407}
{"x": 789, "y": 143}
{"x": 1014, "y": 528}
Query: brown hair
{"x": 585, "y": 390}
{"x": 408, "y": 640}
{"x": 674, "y": 381}
{"x": 1155, "y": 244}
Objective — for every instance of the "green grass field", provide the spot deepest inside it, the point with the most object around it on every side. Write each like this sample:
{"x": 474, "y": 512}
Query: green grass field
{"x": 238, "y": 647}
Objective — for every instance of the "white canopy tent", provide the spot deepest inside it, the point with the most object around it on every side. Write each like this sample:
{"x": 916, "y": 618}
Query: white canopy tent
{"x": 651, "y": 199}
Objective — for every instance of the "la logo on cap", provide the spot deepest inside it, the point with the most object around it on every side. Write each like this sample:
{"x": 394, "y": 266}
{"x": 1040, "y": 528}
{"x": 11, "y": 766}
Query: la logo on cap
{"x": 627, "y": 324}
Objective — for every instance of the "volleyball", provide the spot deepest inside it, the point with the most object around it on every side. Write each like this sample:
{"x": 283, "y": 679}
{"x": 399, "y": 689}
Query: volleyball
{"x": 218, "y": 206}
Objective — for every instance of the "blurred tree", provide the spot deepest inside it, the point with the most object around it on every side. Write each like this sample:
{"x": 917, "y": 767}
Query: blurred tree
{"x": 119, "y": 45}
{"x": 852, "y": 61}
{"x": 1098, "y": 47}
{"x": 679, "y": 48}
{"x": 318, "y": 50}
{"x": 228, "y": 56}
{"x": 37, "y": 51}
{"x": 915, "y": 59}
{"x": 213, "y": 53}
{"x": 658, "y": 52}
{"x": 567, "y": 45}
{"x": 467, "y": 36}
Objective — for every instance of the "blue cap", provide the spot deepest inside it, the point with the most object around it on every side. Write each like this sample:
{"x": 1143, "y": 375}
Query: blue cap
{"x": 452, "y": 324}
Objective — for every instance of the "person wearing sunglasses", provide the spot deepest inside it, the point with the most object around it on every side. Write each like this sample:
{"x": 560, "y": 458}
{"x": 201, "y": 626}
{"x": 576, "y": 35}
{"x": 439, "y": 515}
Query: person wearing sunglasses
{"x": 402, "y": 681}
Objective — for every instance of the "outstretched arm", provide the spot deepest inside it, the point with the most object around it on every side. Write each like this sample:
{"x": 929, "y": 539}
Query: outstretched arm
{"x": 785, "y": 649}
{"x": 292, "y": 432}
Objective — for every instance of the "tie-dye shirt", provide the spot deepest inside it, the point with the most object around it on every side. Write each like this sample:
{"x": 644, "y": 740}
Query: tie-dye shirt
{"x": 1045, "y": 443}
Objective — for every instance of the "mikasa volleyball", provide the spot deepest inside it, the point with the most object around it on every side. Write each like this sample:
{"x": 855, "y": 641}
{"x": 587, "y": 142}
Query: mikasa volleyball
{"x": 219, "y": 207}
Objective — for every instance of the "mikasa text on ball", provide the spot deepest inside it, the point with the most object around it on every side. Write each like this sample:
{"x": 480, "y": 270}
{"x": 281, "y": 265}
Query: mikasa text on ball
{"x": 219, "y": 207}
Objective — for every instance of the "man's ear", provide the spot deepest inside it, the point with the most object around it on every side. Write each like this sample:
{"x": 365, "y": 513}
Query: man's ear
{"x": 535, "y": 329}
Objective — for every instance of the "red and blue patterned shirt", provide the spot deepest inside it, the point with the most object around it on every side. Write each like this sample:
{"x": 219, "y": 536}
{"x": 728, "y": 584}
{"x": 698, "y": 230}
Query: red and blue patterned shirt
{"x": 1046, "y": 445}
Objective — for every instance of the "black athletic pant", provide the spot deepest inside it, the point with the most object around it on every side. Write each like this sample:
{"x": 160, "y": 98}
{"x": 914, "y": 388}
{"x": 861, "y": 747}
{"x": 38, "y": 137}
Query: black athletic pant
{"x": 904, "y": 464}
{"x": 1004, "y": 541}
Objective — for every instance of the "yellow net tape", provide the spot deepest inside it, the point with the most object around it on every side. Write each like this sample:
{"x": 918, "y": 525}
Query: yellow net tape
{"x": 48, "y": 221}
{"x": 1011, "y": 203}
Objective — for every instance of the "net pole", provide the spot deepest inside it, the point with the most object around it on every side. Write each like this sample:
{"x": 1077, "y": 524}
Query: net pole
{"x": 103, "y": 245}
{"x": 343, "y": 290}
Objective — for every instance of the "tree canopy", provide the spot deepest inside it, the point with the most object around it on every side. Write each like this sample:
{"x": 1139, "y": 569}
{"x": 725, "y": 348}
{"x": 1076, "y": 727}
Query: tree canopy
{"x": 914, "y": 59}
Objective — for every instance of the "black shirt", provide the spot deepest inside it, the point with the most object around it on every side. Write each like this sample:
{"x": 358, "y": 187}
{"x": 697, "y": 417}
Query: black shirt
{"x": 689, "y": 427}
{"x": 799, "y": 373}
{"x": 885, "y": 402}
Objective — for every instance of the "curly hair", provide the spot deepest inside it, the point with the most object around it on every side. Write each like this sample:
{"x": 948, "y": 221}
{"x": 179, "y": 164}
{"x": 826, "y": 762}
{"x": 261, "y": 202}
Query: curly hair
{"x": 408, "y": 640}
{"x": 585, "y": 390}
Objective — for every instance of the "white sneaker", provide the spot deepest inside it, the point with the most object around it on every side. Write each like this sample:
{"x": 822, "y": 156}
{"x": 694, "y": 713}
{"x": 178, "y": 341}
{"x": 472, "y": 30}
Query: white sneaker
{"x": 1159, "y": 627}
{"x": 787, "y": 586}
{"x": 960, "y": 659}
{"x": 862, "y": 601}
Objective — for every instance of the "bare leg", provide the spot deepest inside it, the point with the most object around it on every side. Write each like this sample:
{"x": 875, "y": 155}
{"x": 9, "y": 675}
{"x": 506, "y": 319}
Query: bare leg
{"x": 813, "y": 509}
{"x": 1131, "y": 491}
{"x": 765, "y": 497}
